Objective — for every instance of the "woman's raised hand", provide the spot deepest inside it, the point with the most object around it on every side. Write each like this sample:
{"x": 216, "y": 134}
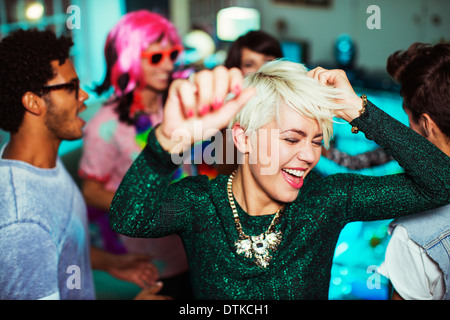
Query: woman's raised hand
{"x": 196, "y": 109}
{"x": 338, "y": 79}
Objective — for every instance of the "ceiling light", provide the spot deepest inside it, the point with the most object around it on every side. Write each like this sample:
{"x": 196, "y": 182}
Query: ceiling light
{"x": 233, "y": 22}
{"x": 34, "y": 11}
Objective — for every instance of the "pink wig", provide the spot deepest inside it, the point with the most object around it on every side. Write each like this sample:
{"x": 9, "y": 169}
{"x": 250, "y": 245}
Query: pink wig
{"x": 130, "y": 37}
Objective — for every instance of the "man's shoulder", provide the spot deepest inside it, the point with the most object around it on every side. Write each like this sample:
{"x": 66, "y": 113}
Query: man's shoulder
{"x": 31, "y": 195}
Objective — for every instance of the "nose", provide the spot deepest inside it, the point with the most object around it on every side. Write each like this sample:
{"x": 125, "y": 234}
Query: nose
{"x": 307, "y": 153}
{"x": 167, "y": 63}
{"x": 82, "y": 95}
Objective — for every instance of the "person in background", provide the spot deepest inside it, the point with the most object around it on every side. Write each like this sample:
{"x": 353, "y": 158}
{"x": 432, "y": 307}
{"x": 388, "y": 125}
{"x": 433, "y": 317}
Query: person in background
{"x": 252, "y": 50}
{"x": 44, "y": 244}
{"x": 140, "y": 52}
{"x": 417, "y": 259}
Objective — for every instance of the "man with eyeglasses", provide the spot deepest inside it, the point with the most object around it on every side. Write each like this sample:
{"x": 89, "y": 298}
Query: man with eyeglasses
{"x": 44, "y": 244}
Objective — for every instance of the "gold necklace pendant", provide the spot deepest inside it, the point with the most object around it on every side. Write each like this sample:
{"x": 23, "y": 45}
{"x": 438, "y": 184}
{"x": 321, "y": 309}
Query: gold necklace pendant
{"x": 257, "y": 246}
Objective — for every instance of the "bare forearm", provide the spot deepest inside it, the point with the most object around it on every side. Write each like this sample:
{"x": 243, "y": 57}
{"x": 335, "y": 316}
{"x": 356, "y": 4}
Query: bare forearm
{"x": 96, "y": 195}
{"x": 100, "y": 260}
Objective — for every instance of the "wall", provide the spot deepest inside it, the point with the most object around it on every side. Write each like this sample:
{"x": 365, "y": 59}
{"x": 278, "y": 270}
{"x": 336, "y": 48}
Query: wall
{"x": 402, "y": 23}
{"x": 97, "y": 19}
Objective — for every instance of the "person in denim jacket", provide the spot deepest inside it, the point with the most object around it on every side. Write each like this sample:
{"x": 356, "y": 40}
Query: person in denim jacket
{"x": 417, "y": 258}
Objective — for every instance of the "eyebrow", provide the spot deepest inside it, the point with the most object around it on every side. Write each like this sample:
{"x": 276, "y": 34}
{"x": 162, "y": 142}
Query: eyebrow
{"x": 302, "y": 133}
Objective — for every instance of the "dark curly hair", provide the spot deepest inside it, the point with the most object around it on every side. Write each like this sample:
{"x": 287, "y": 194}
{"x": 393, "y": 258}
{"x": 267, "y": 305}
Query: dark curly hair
{"x": 25, "y": 65}
{"x": 423, "y": 71}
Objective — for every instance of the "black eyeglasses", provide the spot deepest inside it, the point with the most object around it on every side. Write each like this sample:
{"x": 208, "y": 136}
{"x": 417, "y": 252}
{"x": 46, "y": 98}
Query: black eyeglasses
{"x": 71, "y": 86}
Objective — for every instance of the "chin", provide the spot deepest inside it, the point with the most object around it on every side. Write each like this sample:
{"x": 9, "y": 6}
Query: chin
{"x": 72, "y": 136}
{"x": 287, "y": 197}
{"x": 158, "y": 85}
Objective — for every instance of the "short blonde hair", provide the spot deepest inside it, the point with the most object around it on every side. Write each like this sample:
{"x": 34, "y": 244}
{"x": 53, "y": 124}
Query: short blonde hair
{"x": 282, "y": 82}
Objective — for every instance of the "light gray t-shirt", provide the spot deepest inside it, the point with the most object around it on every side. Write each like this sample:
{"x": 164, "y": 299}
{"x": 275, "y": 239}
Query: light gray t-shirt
{"x": 44, "y": 245}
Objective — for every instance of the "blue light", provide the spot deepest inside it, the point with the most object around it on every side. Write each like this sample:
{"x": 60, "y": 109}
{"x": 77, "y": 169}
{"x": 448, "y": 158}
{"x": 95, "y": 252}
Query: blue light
{"x": 344, "y": 50}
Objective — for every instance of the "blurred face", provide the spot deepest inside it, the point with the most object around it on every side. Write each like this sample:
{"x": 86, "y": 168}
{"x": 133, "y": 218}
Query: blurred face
{"x": 64, "y": 105}
{"x": 158, "y": 64}
{"x": 251, "y": 61}
{"x": 284, "y": 154}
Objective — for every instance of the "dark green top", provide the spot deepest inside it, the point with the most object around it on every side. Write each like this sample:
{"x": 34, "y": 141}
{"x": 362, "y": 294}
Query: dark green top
{"x": 197, "y": 209}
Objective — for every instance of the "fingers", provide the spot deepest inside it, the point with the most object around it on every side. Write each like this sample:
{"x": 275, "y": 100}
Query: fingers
{"x": 183, "y": 94}
{"x": 221, "y": 87}
{"x": 202, "y": 97}
{"x": 155, "y": 288}
{"x": 149, "y": 275}
{"x": 233, "y": 106}
{"x": 334, "y": 77}
{"x": 322, "y": 75}
{"x": 204, "y": 80}
{"x": 348, "y": 99}
{"x": 314, "y": 73}
{"x": 211, "y": 89}
{"x": 152, "y": 293}
{"x": 236, "y": 81}
{"x": 141, "y": 270}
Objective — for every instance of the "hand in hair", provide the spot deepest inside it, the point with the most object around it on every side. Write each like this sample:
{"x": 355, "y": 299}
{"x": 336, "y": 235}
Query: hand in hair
{"x": 195, "y": 110}
{"x": 338, "y": 79}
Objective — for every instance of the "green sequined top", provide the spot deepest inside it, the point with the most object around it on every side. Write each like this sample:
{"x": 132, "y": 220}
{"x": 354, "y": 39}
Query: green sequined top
{"x": 197, "y": 209}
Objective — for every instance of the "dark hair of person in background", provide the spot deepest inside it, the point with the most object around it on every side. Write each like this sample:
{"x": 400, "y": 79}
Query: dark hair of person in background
{"x": 38, "y": 49}
{"x": 424, "y": 74}
{"x": 258, "y": 41}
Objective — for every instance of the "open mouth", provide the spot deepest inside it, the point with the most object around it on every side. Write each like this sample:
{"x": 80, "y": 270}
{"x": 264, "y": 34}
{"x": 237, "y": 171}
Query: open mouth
{"x": 294, "y": 177}
{"x": 83, "y": 108}
{"x": 83, "y": 123}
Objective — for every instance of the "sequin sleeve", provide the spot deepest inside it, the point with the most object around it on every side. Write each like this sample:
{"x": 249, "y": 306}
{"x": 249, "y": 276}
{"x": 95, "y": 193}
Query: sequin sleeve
{"x": 146, "y": 204}
{"x": 424, "y": 185}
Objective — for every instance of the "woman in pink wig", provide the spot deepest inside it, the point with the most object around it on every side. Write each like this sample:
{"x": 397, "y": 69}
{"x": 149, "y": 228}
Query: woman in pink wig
{"x": 140, "y": 51}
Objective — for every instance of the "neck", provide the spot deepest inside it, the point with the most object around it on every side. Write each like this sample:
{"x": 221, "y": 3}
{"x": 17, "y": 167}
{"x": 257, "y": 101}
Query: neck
{"x": 151, "y": 100}
{"x": 250, "y": 196}
{"x": 441, "y": 141}
{"x": 446, "y": 149}
{"x": 445, "y": 146}
{"x": 32, "y": 149}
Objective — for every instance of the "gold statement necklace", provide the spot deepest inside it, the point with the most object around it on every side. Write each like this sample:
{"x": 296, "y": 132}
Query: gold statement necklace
{"x": 258, "y": 246}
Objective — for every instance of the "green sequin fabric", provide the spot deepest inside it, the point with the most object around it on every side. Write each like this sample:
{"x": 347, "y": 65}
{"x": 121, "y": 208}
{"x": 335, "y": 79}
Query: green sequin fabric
{"x": 196, "y": 208}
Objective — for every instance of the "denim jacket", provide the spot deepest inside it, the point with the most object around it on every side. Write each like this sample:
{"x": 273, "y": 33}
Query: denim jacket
{"x": 431, "y": 231}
